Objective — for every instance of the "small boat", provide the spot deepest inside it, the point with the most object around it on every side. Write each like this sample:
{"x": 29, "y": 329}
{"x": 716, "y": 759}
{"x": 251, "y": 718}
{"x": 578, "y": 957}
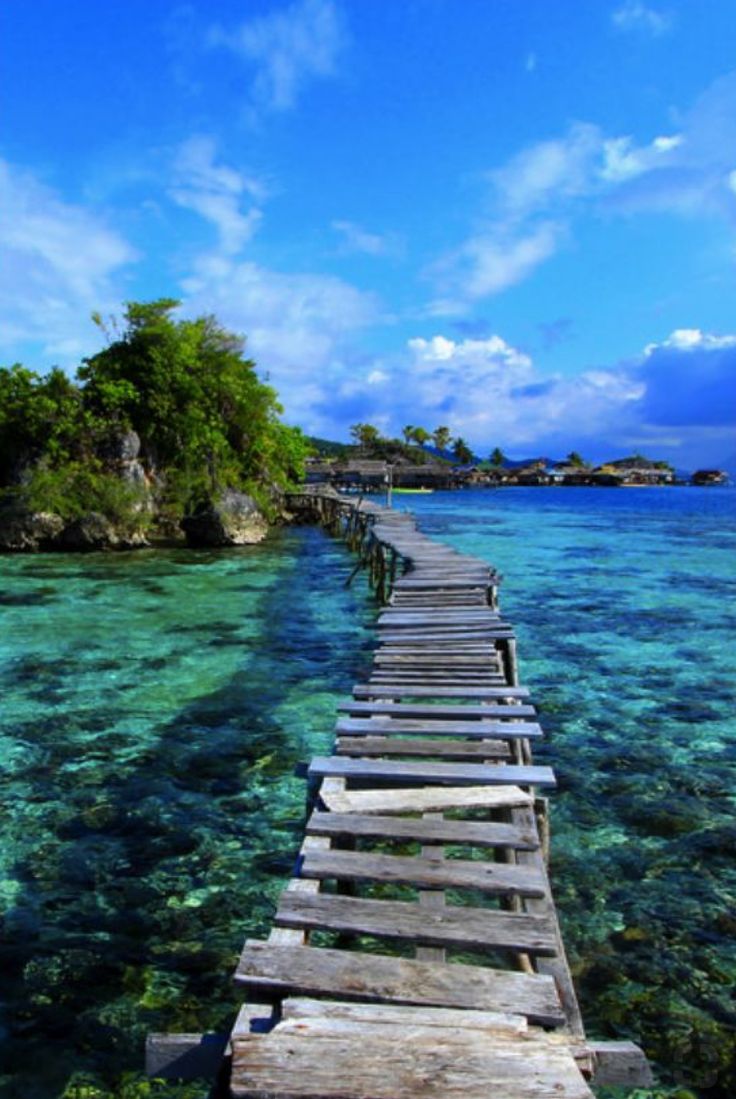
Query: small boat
{"x": 415, "y": 491}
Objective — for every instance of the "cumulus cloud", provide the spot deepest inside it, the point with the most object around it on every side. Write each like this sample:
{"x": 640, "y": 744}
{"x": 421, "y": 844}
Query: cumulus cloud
{"x": 60, "y": 262}
{"x": 676, "y": 399}
{"x": 690, "y": 379}
{"x": 216, "y": 191}
{"x": 286, "y": 49}
{"x": 636, "y": 16}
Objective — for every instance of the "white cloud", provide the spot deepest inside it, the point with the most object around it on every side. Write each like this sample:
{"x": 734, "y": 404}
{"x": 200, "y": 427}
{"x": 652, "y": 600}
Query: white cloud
{"x": 215, "y": 192}
{"x": 636, "y": 16}
{"x": 548, "y": 171}
{"x": 297, "y": 324}
{"x": 492, "y": 261}
{"x": 356, "y": 239}
{"x": 60, "y": 262}
{"x": 494, "y": 350}
{"x": 287, "y": 48}
{"x": 691, "y": 339}
{"x": 622, "y": 160}
{"x": 538, "y": 194}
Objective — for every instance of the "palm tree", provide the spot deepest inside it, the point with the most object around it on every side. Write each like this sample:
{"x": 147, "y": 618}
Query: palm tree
{"x": 462, "y": 451}
{"x": 497, "y": 458}
{"x": 441, "y": 437}
{"x": 365, "y": 435}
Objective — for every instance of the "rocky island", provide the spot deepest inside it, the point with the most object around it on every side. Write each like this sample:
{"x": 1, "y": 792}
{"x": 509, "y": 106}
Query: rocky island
{"x": 166, "y": 435}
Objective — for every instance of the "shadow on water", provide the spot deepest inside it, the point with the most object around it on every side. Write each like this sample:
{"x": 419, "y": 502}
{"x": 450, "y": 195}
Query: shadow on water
{"x": 152, "y": 861}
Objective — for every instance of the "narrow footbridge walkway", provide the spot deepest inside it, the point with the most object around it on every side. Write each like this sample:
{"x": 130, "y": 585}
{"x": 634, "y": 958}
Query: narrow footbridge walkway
{"x": 416, "y": 953}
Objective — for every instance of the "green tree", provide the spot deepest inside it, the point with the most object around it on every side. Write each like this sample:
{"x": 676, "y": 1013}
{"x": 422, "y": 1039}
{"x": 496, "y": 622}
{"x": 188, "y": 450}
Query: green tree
{"x": 497, "y": 457}
{"x": 365, "y": 435}
{"x": 421, "y": 436}
{"x": 408, "y": 433}
{"x": 461, "y": 450}
{"x": 38, "y": 416}
{"x": 441, "y": 437}
{"x": 193, "y": 398}
{"x": 575, "y": 459}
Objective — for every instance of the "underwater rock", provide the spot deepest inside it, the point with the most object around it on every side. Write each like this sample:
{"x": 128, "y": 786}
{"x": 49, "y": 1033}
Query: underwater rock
{"x": 24, "y": 531}
{"x": 231, "y": 520}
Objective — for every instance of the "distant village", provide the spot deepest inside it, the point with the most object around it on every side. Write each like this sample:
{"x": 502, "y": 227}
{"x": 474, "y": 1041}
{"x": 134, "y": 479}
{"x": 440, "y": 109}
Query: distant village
{"x": 373, "y": 462}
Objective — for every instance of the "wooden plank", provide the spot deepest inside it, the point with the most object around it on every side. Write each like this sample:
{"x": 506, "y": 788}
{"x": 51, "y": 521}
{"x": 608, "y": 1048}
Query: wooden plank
{"x": 502, "y": 730}
{"x": 432, "y": 635}
{"x": 467, "y": 833}
{"x": 422, "y": 659}
{"x": 494, "y": 878}
{"x": 424, "y": 799}
{"x": 456, "y": 774}
{"x": 463, "y": 1065}
{"x": 470, "y": 928}
{"x": 277, "y": 970}
{"x": 455, "y": 750}
{"x": 366, "y": 690}
{"x": 491, "y": 711}
{"x": 302, "y": 1009}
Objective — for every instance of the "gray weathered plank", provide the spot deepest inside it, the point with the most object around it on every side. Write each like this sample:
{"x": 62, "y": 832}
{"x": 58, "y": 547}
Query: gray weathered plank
{"x": 469, "y": 833}
{"x": 494, "y": 878}
{"x": 503, "y": 730}
{"x": 491, "y": 711}
{"x": 277, "y": 970}
{"x": 454, "y": 750}
{"x": 456, "y": 774}
{"x": 365, "y": 690}
{"x": 472, "y": 928}
{"x": 463, "y": 1065}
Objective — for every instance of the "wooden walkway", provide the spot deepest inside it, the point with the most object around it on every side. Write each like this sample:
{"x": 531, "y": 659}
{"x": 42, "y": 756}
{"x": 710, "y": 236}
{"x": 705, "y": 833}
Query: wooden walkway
{"x": 417, "y": 952}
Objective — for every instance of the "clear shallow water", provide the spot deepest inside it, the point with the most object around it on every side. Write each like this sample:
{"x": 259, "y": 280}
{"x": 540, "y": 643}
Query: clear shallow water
{"x": 153, "y": 709}
{"x": 154, "y": 706}
{"x": 625, "y": 606}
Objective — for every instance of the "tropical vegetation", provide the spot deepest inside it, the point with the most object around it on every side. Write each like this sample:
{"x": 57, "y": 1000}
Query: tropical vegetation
{"x": 203, "y": 419}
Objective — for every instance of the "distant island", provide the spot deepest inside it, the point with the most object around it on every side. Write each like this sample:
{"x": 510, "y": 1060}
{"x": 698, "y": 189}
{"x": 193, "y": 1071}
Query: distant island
{"x": 434, "y": 460}
{"x": 167, "y": 435}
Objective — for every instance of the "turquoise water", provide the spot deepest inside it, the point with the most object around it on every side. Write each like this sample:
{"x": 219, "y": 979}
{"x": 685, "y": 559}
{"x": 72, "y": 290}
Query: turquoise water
{"x": 625, "y": 606}
{"x": 154, "y": 706}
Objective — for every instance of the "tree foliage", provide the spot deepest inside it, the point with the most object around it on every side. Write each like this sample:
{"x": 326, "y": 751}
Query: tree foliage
{"x": 441, "y": 437}
{"x": 204, "y": 418}
{"x": 461, "y": 450}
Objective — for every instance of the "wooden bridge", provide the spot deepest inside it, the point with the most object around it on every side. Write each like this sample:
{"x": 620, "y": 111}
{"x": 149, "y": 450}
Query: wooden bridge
{"x": 417, "y": 952}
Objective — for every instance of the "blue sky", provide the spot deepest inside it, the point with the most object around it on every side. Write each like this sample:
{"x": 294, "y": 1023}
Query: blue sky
{"x": 513, "y": 217}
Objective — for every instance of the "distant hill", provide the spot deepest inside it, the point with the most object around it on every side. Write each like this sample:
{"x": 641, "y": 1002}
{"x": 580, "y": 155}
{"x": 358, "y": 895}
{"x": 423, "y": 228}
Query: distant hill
{"x": 325, "y": 448}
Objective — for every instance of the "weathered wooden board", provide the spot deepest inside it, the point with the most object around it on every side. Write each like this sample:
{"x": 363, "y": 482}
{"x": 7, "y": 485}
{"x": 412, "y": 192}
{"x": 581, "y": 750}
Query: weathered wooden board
{"x": 452, "y": 750}
{"x": 495, "y": 878}
{"x": 462, "y": 1065}
{"x": 277, "y": 970}
{"x": 455, "y": 774}
{"x": 472, "y": 928}
{"x": 491, "y": 711}
{"x": 424, "y": 799}
{"x": 365, "y": 690}
{"x": 503, "y": 730}
{"x": 468, "y": 833}
{"x": 327, "y": 1012}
